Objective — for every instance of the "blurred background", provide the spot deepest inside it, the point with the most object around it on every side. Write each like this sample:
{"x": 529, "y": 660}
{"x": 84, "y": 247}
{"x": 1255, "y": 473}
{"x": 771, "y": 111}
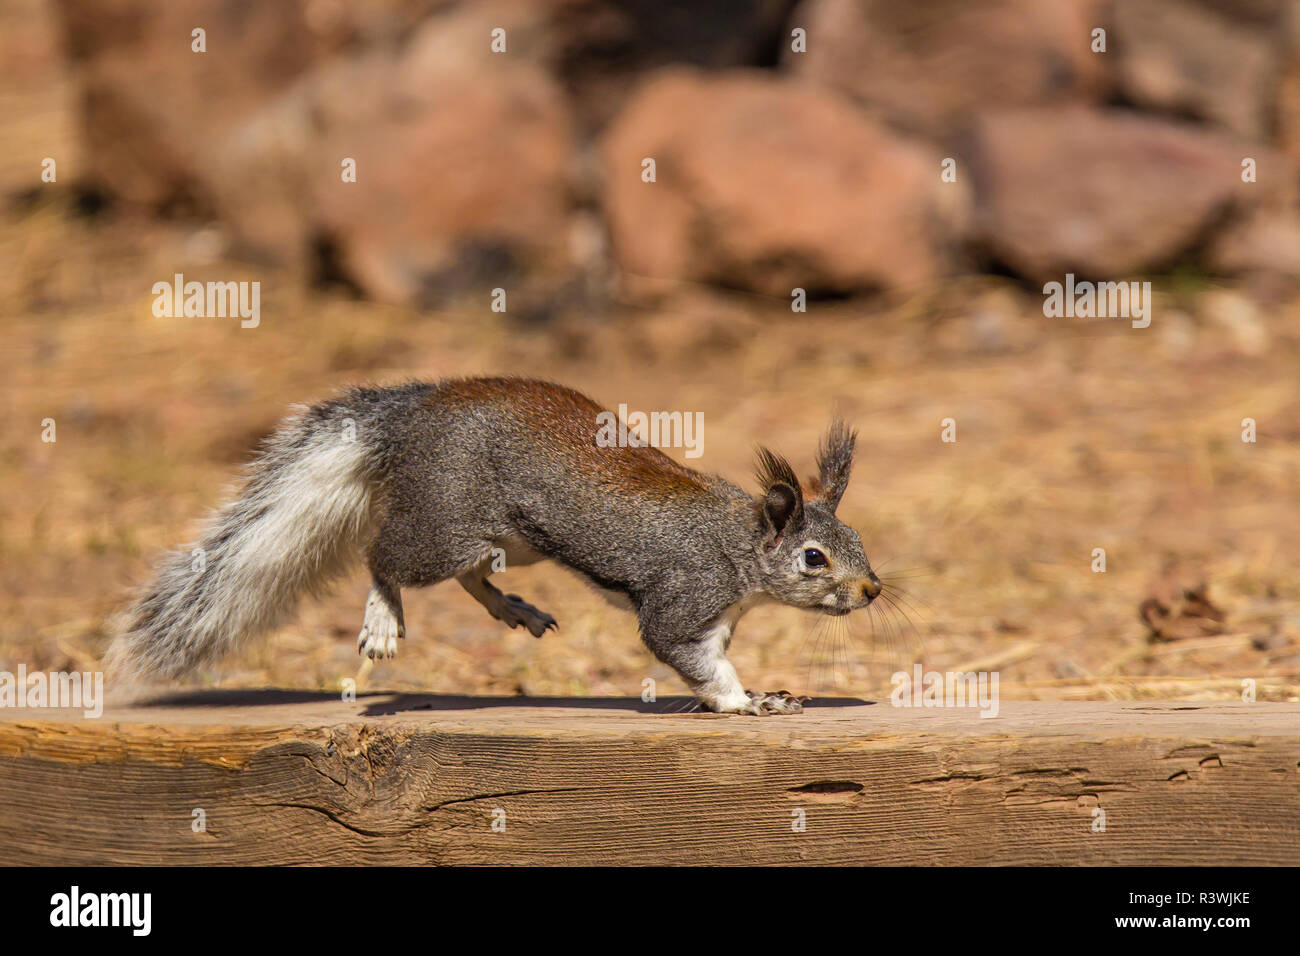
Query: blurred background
{"x": 919, "y": 170}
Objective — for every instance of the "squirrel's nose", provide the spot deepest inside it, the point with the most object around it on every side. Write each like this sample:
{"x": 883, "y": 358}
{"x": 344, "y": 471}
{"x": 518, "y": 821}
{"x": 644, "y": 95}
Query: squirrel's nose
{"x": 871, "y": 586}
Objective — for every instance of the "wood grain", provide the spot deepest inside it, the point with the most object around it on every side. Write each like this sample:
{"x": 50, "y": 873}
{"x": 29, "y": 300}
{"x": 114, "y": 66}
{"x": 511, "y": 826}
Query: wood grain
{"x": 304, "y": 778}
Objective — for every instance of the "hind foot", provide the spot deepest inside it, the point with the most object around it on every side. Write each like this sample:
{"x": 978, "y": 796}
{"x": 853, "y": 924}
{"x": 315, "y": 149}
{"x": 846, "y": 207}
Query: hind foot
{"x": 514, "y": 610}
{"x": 508, "y": 608}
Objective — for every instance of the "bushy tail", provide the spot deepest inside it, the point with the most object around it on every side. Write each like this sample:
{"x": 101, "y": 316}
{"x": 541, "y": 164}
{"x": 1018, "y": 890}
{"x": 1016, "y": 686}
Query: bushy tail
{"x": 297, "y": 523}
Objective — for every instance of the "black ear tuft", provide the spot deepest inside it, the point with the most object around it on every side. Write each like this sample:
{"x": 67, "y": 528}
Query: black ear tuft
{"x": 835, "y": 462}
{"x": 782, "y": 496}
{"x": 773, "y": 469}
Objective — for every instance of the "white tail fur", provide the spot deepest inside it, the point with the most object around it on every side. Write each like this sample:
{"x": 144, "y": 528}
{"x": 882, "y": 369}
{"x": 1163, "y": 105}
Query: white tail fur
{"x": 296, "y": 524}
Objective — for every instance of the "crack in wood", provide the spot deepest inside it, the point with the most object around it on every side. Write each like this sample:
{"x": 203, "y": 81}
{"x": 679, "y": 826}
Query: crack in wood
{"x": 496, "y": 796}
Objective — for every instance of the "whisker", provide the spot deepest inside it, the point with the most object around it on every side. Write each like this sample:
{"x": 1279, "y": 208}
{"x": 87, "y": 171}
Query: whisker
{"x": 897, "y": 639}
{"x": 883, "y": 568}
{"x": 831, "y": 660}
{"x": 909, "y": 599}
{"x": 901, "y": 612}
{"x": 826, "y": 656}
{"x": 884, "y": 618}
{"x": 879, "y": 631}
{"x": 814, "y": 636}
{"x": 829, "y": 677}
{"x": 914, "y": 575}
{"x": 852, "y": 672}
{"x": 685, "y": 707}
{"x": 833, "y": 665}
{"x": 888, "y": 566}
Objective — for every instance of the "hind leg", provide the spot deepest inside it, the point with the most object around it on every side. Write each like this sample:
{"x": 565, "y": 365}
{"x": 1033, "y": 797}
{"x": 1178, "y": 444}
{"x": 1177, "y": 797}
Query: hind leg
{"x": 383, "y": 624}
{"x": 415, "y": 550}
{"x": 408, "y": 551}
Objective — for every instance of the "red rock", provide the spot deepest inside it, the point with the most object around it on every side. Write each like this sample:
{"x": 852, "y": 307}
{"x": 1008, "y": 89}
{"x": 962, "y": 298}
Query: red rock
{"x": 1196, "y": 60}
{"x": 1109, "y": 193}
{"x": 153, "y": 110}
{"x": 768, "y": 184}
{"x": 461, "y": 170}
{"x": 927, "y": 67}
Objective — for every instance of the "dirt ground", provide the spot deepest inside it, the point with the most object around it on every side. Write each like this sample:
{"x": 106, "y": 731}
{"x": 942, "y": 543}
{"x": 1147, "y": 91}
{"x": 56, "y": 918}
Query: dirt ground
{"x": 1072, "y": 434}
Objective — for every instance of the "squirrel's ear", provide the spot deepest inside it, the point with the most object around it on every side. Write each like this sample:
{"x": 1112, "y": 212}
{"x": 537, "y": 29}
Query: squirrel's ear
{"x": 782, "y": 497}
{"x": 835, "y": 462}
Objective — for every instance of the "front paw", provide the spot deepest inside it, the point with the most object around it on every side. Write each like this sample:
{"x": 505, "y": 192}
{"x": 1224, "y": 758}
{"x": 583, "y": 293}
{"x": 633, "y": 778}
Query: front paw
{"x": 758, "y": 704}
{"x": 778, "y": 702}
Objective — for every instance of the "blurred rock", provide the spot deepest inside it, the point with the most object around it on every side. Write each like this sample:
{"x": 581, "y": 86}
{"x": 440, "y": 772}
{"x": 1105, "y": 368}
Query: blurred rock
{"x": 461, "y": 172}
{"x": 1265, "y": 239}
{"x": 465, "y": 156}
{"x": 599, "y": 50}
{"x": 1107, "y": 193}
{"x": 770, "y": 185}
{"x": 1287, "y": 119}
{"x": 605, "y": 48}
{"x": 37, "y": 101}
{"x": 470, "y": 163}
{"x": 1218, "y": 61}
{"x": 927, "y": 67}
{"x": 153, "y": 109}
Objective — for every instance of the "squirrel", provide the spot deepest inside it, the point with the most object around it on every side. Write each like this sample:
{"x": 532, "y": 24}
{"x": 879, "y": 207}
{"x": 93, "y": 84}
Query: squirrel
{"x": 428, "y": 480}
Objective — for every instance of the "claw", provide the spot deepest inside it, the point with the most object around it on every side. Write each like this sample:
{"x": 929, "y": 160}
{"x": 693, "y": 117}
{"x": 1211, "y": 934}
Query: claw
{"x": 514, "y": 610}
{"x": 779, "y": 702}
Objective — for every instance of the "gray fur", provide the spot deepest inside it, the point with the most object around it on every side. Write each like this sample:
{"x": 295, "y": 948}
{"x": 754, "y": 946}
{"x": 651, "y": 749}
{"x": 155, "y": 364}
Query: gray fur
{"x": 443, "y": 473}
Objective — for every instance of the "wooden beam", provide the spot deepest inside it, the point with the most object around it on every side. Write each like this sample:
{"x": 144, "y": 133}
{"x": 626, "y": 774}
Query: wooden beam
{"x": 302, "y": 778}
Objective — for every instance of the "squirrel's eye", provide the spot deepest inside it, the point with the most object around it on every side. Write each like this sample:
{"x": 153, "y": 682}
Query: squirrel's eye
{"x": 814, "y": 558}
